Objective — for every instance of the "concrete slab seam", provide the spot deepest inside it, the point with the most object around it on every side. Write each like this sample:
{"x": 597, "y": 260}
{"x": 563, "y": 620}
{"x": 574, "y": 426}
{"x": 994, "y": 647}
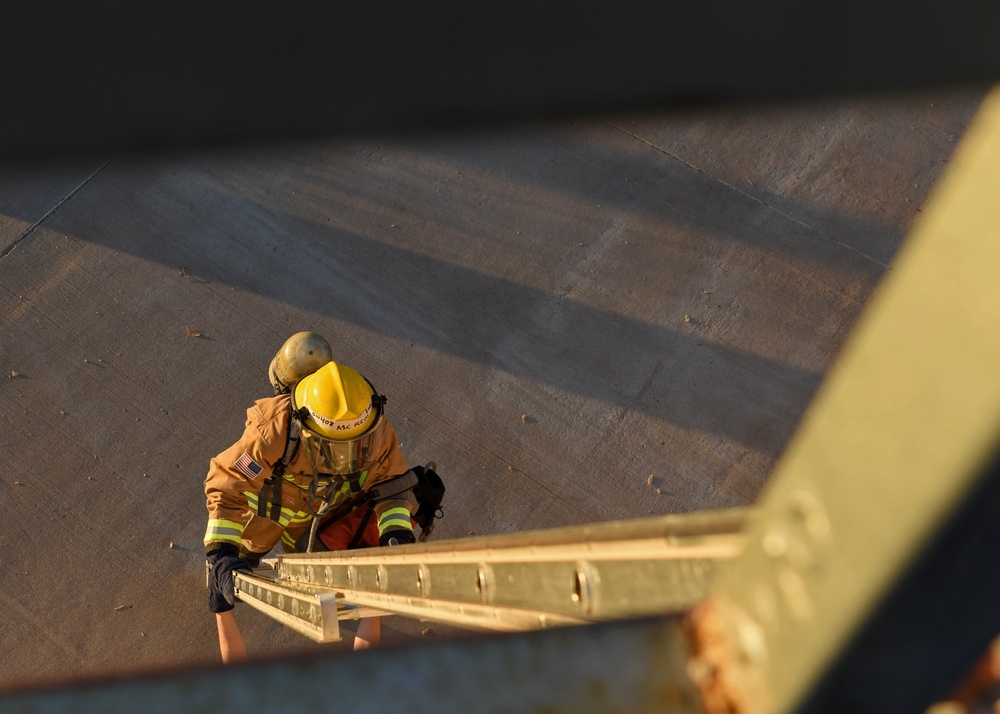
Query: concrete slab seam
{"x": 31, "y": 229}
{"x": 747, "y": 195}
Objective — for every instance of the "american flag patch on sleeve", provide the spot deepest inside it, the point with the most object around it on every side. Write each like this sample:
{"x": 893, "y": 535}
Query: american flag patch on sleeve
{"x": 248, "y": 467}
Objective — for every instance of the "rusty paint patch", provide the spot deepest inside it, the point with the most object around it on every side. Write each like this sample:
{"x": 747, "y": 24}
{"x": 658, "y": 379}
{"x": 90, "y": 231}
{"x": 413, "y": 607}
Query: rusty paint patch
{"x": 710, "y": 660}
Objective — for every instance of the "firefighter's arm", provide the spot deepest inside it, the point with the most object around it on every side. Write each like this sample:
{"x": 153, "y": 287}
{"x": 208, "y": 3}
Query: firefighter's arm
{"x": 237, "y": 471}
{"x": 391, "y": 491}
{"x": 231, "y": 643}
{"x": 395, "y": 524}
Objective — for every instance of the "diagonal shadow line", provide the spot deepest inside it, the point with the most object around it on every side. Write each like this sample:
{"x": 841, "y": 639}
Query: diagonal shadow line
{"x": 533, "y": 333}
{"x": 662, "y": 187}
{"x": 453, "y": 300}
{"x": 871, "y": 236}
{"x": 490, "y": 153}
{"x": 680, "y": 189}
{"x": 646, "y": 186}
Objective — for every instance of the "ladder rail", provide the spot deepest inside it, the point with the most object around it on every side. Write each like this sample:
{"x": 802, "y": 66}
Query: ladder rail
{"x": 523, "y": 581}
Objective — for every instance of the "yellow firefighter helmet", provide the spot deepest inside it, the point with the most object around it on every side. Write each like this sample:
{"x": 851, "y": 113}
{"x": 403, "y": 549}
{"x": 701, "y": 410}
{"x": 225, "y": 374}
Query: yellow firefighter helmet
{"x": 342, "y": 416}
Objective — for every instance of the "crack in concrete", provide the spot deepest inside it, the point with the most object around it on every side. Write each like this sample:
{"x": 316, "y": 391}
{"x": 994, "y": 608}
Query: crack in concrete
{"x": 747, "y": 195}
{"x": 31, "y": 229}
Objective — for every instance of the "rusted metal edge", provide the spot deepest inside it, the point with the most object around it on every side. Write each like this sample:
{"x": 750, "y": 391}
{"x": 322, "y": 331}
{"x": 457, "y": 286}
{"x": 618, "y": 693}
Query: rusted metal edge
{"x": 637, "y": 666}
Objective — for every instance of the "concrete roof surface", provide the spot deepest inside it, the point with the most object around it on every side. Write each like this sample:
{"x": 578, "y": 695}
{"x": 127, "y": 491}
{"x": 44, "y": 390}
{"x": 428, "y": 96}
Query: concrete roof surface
{"x": 580, "y": 321}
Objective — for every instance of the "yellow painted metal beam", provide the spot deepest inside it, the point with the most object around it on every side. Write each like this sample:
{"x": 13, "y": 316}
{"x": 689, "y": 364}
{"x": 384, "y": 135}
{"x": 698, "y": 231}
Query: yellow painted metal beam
{"x": 860, "y": 544}
{"x": 635, "y": 667}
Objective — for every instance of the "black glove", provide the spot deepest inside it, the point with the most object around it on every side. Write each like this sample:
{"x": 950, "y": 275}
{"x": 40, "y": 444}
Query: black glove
{"x": 396, "y": 536}
{"x": 221, "y": 563}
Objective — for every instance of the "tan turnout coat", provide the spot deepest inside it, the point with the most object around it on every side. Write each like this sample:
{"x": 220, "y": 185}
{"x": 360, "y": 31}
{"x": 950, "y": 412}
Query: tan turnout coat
{"x": 236, "y": 476}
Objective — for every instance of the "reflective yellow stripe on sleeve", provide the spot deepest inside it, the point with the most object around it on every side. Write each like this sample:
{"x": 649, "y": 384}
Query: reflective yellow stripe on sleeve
{"x": 394, "y": 518}
{"x": 222, "y": 530}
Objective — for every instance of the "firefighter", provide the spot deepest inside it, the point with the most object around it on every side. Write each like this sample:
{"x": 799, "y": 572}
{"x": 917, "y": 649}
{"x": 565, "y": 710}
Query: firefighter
{"x": 321, "y": 442}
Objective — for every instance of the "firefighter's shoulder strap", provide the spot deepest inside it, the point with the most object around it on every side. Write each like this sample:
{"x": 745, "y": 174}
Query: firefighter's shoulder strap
{"x": 270, "y": 492}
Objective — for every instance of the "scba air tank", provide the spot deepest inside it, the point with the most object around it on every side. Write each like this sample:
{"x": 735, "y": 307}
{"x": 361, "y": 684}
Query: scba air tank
{"x": 301, "y": 355}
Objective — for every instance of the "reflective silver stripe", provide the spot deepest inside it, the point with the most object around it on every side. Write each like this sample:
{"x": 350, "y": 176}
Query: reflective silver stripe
{"x": 226, "y": 531}
{"x": 394, "y": 517}
{"x": 221, "y": 529}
